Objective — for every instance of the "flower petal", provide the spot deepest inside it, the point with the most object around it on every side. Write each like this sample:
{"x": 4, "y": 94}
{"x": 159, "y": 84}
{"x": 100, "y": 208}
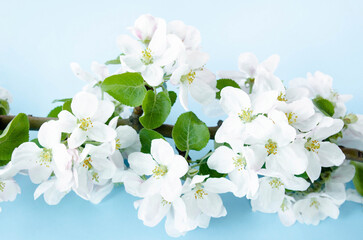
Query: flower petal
{"x": 84, "y": 105}
{"x": 141, "y": 163}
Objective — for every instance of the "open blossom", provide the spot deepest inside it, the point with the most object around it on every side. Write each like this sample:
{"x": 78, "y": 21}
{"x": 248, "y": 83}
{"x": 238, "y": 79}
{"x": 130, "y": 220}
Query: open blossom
{"x": 9, "y": 189}
{"x": 244, "y": 115}
{"x": 37, "y": 161}
{"x": 189, "y": 35}
{"x": 153, "y": 208}
{"x": 322, "y": 153}
{"x": 352, "y": 132}
{"x": 241, "y": 165}
{"x": 88, "y": 120}
{"x": 271, "y": 193}
{"x": 202, "y": 200}
{"x": 164, "y": 167}
{"x": 149, "y": 60}
{"x": 145, "y": 27}
{"x": 191, "y": 76}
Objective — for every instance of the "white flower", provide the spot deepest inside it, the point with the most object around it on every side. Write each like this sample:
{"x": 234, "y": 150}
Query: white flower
{"x": 5, "y": 95}
{"x": 8, "y": 190}
{"x": 241, "y": 166}
{"x": 335, "y": 185}
{"x": 88, "y": 120}
{"x": 202, "y": 199}
{"x": 321, "y": 85}
{"x": 353, "y": 132}
{"x": 189, "y": 35}
{"x": 191, "y": 76}
{"x": 286, "y": 212}
{"x": 165, "y": 167}
{"x": 322, "y": 153}
{"x": 162, "y": 50}
{"x": 52, "y": 196}
{"x": 271, "y": 193}
{"x": 314, "y": 208}
{"x": 261, "y": 73}
{"x": 153, "y": 208}
{"x": 243, "y": 115}
{"x": 38, "y": 161}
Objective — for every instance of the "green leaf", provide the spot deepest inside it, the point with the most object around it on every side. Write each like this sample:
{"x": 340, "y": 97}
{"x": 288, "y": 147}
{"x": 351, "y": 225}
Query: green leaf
{"x": 67, "y": 106}
{"x": 324, "y": 105}
{"x": 146, "y": 136}
{"x": 114, "y": 61}
{"x": 172, "y": 96}
{"x": 224, "y": 82}
{"x": 358, "y": 177}
{"x": 156, "y": 109}
{"x": 127, "y": 88}
{"x": 16, "y": 133}
{"x": 55, "y": 111}
{"x": 190, "y": 133}
{"x": 61, "y": 100}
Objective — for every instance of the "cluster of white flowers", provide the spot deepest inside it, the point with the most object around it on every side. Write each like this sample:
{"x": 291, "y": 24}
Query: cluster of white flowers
{"x": 278, "y": 146}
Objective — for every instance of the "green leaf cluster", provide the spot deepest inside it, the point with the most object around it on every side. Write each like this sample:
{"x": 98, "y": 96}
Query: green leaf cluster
{"x": 224, "y": 82}
{"x": 324, "y": 105}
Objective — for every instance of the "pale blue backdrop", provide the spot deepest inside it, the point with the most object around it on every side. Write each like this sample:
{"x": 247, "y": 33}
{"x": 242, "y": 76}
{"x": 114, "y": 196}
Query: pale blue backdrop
{"x": 38, "y": 40}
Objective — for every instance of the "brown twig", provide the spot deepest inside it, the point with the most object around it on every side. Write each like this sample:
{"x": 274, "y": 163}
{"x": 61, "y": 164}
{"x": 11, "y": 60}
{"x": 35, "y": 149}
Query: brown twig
{"x": 165, "y": 129}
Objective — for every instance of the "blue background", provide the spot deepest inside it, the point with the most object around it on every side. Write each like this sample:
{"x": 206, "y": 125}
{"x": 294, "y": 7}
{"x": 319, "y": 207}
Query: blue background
{"x": 38, "y": 40}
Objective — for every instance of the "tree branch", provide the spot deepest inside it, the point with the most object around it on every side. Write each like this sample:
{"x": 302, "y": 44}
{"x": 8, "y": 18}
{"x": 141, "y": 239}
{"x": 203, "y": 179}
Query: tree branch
{"x": 165, "y": 129}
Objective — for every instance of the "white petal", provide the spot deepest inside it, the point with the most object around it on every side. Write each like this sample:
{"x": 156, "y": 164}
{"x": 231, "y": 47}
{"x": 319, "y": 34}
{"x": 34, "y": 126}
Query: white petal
{"x": 104, "y": 111}
{"x": 161, "y": 151}
{"x": 219, "y": 185}
{"x": 39, "y": 173}
{"x": 178, "y": 167}
{"x": 67, "y": 122}
{"x": 100, "y": 132}
{"x": 77, "y": 138}
{"x": 330, "y": 154}
{"x": 234, "y": 100}
{"x": 247, "y": 63}
{"x": 211, "y": 205}
{"x": 128, "y": 45}
{"x": 222, "y": 160}
{"x": 84, "y": 105}
{"x": 171, "y": 188}
{"x": 153, "y": 75}
{"x": 49, "y": 134}
{"x": 314, "y": 167}
{"x": 141, "y": 163}
{"x": 100, "y": 192}
{"x": 127, "y": 136}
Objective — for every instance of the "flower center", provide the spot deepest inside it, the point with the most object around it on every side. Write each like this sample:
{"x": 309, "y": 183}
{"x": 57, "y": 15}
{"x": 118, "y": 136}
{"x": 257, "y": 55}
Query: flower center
{"x": 118, "y": 144}
{"x": 275, "y": 183}
{"x": 164, "y": 202}
{"x": 314, "y": 203}
{"x": 159, "y": 171}
{"x": 246, "y": 115}
{"x": 282, "y": 97}
{"x": 85, "y": 124}
{"x": 87, "y": 163}
{"x": 147, "y": 58}
{"x": 271, "y": 147}
{"x": 199, "y": 193}
{"x": 95, "y": 177}
{"x": 312, "y": 145}
{"x": 191, "y": 76}
{"x": 239, "y": 162}
{"x": 291, "y": 117}
{"x": 45, "y": 157}
{"x": 2, "y": 186}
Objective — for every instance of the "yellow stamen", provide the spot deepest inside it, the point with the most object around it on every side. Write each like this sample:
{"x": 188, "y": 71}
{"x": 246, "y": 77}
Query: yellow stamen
{"x": 95, "y": 177}
{"x": 282, "y": 97}
{"x": 164, "y": 202}
{"x": 291, "y": 117}
{"x": 2, "y": 186}
{"x": 314, "y": 203}
{"x": 87, "y": 163}
{"x": 190, "y": 76}
{"x": 160, "y": 170}
{"x": 45, "y": 157}
{"x": 275, "y": 183}
{"x": 271, "y": 147}
{"x": 239, "y": 162}
{"x": 85, "y": 124}
{"x": 118, "y": 144}
{"x": 200, "y": 193}
{"x": 147, "y": 57}
{"x": 312, "y": 145}
{"x": 246, "y": 115}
